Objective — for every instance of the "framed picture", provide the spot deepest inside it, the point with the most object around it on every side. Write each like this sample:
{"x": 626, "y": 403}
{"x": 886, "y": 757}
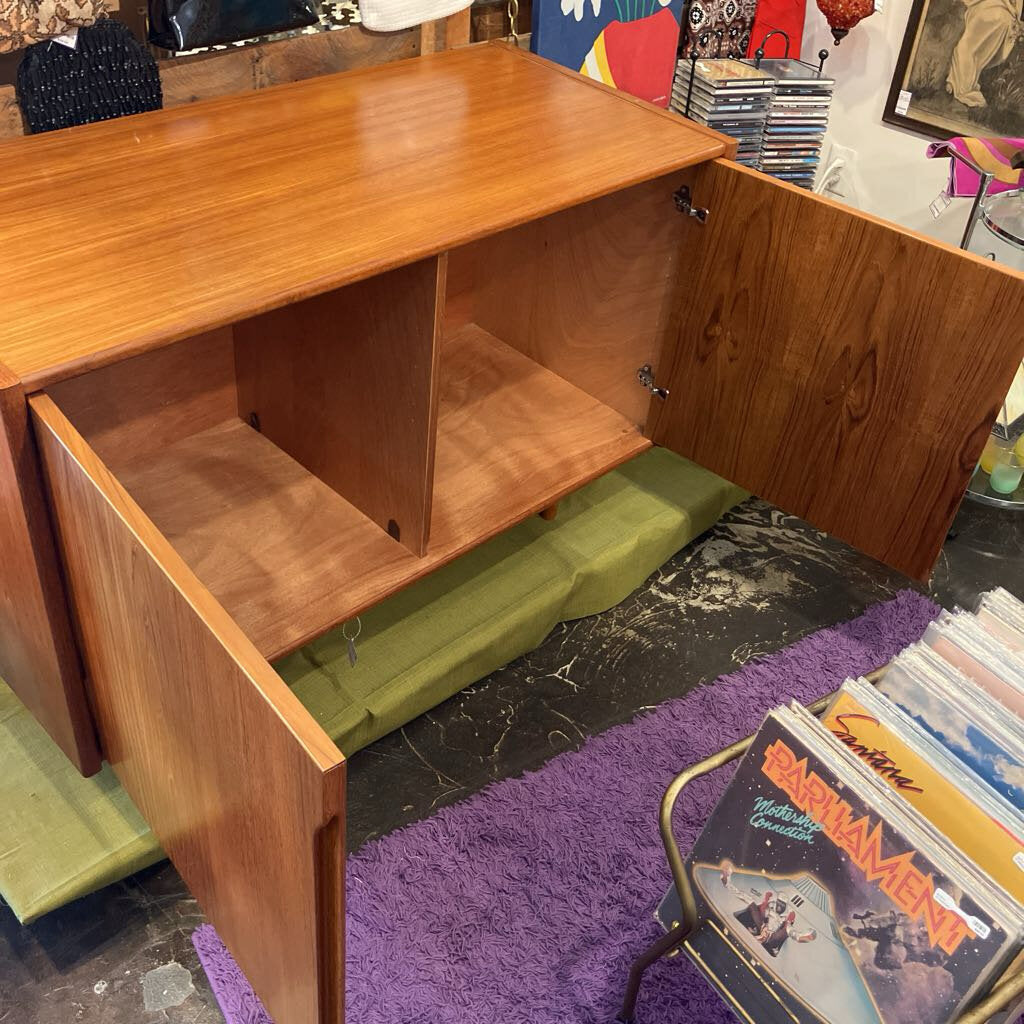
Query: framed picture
{"x": 961, "y": 70}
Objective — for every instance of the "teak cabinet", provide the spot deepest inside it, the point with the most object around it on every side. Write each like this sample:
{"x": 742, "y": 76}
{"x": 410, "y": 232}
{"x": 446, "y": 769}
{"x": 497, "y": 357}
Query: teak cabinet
{"x": 304, "y": 346}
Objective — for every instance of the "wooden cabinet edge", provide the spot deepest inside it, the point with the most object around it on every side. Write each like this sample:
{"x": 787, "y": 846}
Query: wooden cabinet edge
{"x": 330, "y": 910}
{"x": 38, "y": 656}
{"x": 239, "y": 782}
{"x": 271, "y": 687}
{"x": 729, "y": 145}
{"x": 899, "y": 229}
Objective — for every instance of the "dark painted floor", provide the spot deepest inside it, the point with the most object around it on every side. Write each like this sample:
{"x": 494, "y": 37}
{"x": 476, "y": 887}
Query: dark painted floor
{"x": 758, "y": 581}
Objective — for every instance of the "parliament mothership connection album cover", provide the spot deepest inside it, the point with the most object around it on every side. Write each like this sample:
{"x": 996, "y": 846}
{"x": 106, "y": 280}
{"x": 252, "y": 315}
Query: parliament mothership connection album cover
{"x": 821, "y": 900}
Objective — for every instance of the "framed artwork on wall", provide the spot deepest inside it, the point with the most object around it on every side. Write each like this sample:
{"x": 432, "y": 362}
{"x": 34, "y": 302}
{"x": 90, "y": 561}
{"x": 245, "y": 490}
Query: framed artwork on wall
{"x": 960, "y": 70}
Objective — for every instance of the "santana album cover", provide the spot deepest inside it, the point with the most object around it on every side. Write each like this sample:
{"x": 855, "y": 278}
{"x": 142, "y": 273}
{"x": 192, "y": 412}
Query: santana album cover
{"x": 814, "y": 907}
{"x": 932, "y": 781}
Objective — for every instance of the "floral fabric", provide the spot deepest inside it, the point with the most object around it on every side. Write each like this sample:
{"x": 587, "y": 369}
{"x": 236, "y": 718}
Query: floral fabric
{"x": 23, "y": 22}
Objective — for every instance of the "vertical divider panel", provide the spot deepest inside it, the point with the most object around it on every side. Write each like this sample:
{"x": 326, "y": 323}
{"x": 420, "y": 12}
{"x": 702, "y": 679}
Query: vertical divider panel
{"x": 346, "y": 384}
{"x": 240, "y": 784}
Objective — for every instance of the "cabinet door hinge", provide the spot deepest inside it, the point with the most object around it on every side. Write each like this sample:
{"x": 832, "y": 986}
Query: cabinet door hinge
{"x": 684, "y": 204}
{"x": 646, "y": 377}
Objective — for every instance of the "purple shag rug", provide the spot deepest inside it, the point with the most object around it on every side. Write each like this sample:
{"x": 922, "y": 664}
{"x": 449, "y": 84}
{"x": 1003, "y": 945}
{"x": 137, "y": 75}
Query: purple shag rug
{"x": 527, "y": 902}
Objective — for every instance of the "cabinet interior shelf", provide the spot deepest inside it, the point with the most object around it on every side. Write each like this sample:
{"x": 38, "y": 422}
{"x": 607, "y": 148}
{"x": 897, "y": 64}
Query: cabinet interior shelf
{"x": 289, "y": 558}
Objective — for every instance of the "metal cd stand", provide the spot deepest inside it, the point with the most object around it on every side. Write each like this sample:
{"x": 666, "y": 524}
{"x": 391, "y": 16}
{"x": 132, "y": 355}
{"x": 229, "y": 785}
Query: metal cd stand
{"x": 1001, "y": 997}
{"x": 758, "y": 57}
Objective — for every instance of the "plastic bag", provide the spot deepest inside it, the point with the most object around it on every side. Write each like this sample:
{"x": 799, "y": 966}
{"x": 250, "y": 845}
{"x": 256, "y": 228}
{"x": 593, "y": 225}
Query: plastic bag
{"x": 188, "y": 24}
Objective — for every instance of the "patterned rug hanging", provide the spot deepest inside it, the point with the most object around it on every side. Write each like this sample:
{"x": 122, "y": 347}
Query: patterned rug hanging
{"x": 719, "y": 28}
{"x": 24, "y": 22}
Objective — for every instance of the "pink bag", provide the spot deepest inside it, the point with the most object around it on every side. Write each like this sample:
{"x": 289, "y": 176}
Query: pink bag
{"x": 993, "y": 155}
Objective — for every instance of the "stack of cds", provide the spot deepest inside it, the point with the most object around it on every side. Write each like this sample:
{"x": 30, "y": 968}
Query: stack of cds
{"x": 796, "y": 122}
{"x": 868, "y": 867}
{"x": 728, "y": 95}
{"x": 778, "y": 113}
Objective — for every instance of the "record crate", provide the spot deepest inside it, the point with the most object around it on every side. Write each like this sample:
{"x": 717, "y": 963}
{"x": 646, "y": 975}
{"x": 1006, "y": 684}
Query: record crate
{"x": 1002, "y": 996}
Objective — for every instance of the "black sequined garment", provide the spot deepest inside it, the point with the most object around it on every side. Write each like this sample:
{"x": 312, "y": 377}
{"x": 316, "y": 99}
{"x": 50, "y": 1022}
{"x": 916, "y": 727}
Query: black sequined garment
{"x": 108, "y": 74}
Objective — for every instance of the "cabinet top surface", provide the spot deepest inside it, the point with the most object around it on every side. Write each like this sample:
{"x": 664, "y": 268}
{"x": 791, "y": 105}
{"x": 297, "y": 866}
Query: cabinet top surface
{"x": 126, "y": 235}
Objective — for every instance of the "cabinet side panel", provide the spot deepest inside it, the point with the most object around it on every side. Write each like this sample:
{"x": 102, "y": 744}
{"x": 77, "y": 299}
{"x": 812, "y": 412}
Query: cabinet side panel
{"x": 588, "y": 292}
{"x": 241, "y": 786}
{"x": 346, "y": 384}
{"x": 839, "y": 366}
{"x": 38, "y": 656}
{"x": 137, "y": 407}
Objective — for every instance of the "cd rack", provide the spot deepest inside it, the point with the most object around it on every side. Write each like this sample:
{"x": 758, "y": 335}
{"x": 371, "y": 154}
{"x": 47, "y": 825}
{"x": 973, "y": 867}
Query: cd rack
{"x": 777, "y": 111}
{"x": 1000, "y": 998}
{"x": 759, "y": 56}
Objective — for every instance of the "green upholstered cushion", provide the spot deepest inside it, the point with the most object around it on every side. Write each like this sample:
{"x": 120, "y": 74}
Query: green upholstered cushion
{"x": 62, "y": 836}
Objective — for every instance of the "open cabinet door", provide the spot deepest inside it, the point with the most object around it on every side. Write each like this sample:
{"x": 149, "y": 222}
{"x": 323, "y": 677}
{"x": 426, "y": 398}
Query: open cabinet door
{"x": 241, "y": 786}
{"x": 843, "y": 368}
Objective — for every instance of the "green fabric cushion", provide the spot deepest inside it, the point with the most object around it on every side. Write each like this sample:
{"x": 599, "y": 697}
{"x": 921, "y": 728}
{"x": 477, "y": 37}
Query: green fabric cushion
{"x": 62, "y": 836}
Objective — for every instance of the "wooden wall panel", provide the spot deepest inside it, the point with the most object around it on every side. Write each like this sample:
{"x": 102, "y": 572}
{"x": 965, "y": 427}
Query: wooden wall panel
{"x": 208, "y": 75}
{"x": 324, "y": 53}
{"x": 11, "y": 124}
{"x": 586, "y": 292}
{"x": 244, "y": 68}
{"x": 242, "y": 787}
{"x": 38, "y": 658}
{"x": 445, "y": 33}
{"x": 843, "y": 368}
{"x": 346, "y": 383}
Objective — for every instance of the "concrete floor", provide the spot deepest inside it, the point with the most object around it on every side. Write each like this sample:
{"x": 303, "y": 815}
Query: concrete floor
{"x": 756, "y": 582}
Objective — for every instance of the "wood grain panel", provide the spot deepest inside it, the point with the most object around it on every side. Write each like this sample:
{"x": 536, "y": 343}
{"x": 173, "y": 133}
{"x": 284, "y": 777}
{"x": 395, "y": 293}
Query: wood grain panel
{"x": 38, "y": 657}
{"x": 730, "y": 145}
{"x": 325, "y": 53}
{"x": 242, "y": 787}
{"x": 288, "y": 558}
{"x": 130, "y": 409}
{"x": 840, "y": 367}
{"x": 11, "y": 124}
{"x": 445, "y": 33}
{"x": 588, "y": 292}
{"x": 432, "y": 36}
{"x": 513, "y": 438}
{"x": 207, "y": 76}
{"x": 345, "y": 383}
{"x": 208, "y": 212}
{"x": 243, "y": 69}
{"x": 457, "y": 28}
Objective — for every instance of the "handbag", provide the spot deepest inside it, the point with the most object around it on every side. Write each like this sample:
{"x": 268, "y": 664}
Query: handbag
{"x": 24, "y": 22}
{"x": 999, "y": 157}
{"x": 190, "y": 24}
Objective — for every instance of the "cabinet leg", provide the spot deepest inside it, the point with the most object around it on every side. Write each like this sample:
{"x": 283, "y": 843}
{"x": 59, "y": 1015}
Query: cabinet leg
{"x": 550, "y": 512}
{"x": 664, "y": 945}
